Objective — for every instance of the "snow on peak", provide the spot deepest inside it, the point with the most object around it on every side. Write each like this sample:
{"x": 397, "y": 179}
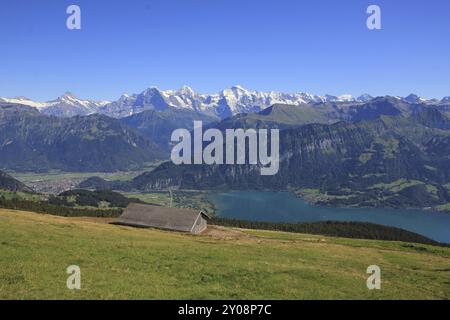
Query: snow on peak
{"x": 413, "y": 98}
{"x": 186, "y": 90}
{"x": 230, "y": 101}
{"x": 365, "y": 97}
{"x": 346, "y": 98}
{"x": 124, "y": 97}
{"x": 25, "y": 101}
{"x": 238, "y": 88}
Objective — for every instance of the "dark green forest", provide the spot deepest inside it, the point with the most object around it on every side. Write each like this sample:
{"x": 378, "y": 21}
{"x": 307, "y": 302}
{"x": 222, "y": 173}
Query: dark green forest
{"x": 356, "y": 230}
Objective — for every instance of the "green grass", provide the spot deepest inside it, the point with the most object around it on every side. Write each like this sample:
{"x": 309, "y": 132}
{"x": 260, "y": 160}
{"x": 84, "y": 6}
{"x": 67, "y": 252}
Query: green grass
{"x": 10, "y": 195}
{"x": 120, "y": 262}
{"x": 161, "y": 198}
{"x": 443, "y": 207}
{"x": 315, "y": 195}
{"x": 398, "y": 185}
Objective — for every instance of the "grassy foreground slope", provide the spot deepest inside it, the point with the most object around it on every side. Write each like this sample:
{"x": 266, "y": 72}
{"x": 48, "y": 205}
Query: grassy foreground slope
{"x": 119, "y": 262}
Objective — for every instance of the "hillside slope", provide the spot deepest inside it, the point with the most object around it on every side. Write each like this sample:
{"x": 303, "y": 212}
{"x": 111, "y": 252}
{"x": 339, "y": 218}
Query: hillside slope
{"x": 158, "y": 126}
{"x": 9, "y": 183}
{"x": 357, "y": 162}
{"x": 30, "y": 141}
{"x": 120, "y": 262}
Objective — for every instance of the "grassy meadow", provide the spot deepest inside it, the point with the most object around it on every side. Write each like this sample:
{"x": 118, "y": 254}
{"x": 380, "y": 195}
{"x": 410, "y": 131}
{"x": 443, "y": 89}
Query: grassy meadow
{"x": 124, "y": 263}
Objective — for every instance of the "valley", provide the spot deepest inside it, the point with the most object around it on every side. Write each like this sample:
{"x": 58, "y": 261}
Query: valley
{"x": 219, "y": 159}
{"x": 391, "y": 161}
{"x": 55, "y": 182}
{"x": 382, "y": 153}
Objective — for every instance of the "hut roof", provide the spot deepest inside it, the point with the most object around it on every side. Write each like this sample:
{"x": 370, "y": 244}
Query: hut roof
{"x": 141, "y": 215}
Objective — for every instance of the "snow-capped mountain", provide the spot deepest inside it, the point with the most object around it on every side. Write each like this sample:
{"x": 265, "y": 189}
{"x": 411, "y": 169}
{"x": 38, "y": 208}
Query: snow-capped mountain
{"x": 228, "y": 102}
{"x": 65, "y": 106}
{"x": 25, "y": 101}
{"x": 68, "y": 106}
{"x": 364, "y": 98}
{"x": 413, "y": 98}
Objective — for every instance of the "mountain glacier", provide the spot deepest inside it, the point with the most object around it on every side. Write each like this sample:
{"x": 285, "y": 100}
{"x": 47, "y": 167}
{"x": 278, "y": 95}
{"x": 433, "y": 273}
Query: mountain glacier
{"x": 65, "y": 106}
{"x": 226, "y": 103}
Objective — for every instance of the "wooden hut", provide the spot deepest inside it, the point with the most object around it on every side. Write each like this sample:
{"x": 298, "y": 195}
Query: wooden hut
{"x": 176, "y": 219}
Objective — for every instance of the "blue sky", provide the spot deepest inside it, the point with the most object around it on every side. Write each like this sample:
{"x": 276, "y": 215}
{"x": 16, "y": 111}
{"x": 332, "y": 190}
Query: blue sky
{"x": 320, "y": 46}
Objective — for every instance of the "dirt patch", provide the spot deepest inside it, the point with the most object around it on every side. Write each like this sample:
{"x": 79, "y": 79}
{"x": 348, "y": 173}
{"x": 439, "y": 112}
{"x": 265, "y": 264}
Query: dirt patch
{"x": 223, "y": 233}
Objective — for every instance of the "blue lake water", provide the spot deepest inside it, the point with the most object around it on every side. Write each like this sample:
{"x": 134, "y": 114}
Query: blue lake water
{"x": 285, "y": 207}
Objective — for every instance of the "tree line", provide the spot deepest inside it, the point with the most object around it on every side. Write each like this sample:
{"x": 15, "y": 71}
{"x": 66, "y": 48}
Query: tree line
{"x": 354, "y": 230}
{"x": 56, "y": 210}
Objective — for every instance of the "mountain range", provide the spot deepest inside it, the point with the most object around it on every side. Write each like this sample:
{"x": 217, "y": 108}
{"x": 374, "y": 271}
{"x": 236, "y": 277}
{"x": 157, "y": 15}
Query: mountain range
{"x": 382, "y": 151}
{"x": 65, "y": 106}
{"x": 33, "y": 140}
{"x": 228, "y": 102}
{"x": 389, "y": 161}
